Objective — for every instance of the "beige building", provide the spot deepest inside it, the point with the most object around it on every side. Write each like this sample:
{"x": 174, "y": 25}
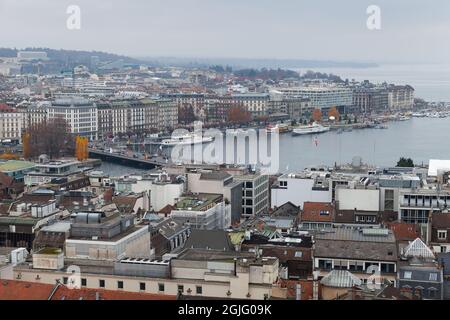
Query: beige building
{"x": 400, "y": 97}
{"x": 205, "y": 273}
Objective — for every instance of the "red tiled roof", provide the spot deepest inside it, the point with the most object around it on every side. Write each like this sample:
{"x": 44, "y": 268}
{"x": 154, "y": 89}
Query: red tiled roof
{"x": 404, "y": 231}
{"x": 5, "y": 108}
{"x": 21, "y": 290}
{"x": 311, "y": 212}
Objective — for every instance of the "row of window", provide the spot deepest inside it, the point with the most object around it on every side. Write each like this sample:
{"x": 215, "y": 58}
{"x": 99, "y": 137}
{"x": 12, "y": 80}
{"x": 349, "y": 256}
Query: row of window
{"x": 142, "y": 285}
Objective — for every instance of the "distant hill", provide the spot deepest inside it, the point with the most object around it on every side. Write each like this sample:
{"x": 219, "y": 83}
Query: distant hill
{"x": 241, "y": 63}
{"x": 71, "y": 57}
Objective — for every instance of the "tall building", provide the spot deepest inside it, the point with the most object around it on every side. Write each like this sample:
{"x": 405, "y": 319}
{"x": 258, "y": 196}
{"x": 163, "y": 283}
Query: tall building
{"x": 322, "y": 97}
{"x": 401, "y": 97}
{"x": 369, "y": 100}
{"x": 255, "y": 193}
{"x": 11, "y": 122}
{"x": 80, "y": 115}
{"x": 136, "y": 115}
{"x": 255, "y": 103}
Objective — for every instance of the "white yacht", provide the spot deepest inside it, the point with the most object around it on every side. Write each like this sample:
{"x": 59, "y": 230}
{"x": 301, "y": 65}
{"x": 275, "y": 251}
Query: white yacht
{"x": 188, "y": 139}
{"x": 310, "y": 129}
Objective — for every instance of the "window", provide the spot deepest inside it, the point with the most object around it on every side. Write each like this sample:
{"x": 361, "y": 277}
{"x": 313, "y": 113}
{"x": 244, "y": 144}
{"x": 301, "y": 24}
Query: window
{"x": 65, "y": 280}
{"x": 180, "y": 288}
{"x": 389, "y": 200}
{"x": 442, "y": 234}
{"x": 161, "y": 287}
{"x": 298, "y": 254}
{"x": 119, "y": 284}
{"x": 407, "y": 274}
{"x": 324, "y": 212}
{"x": 432, "y": 292}
{"x": 101, "y": 283}
{"x": 83, "y": 282}
{"x": 433, "y": 276}
{"x": 198, "y": 289}
{"x": 142, "y": 286}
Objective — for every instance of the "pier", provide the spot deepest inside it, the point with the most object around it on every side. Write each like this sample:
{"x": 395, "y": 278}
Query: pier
{"x": 136, "y": 160}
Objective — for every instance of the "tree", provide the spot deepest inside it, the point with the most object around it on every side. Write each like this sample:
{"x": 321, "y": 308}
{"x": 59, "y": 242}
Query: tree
{"x": 405, "y": 163}
{"x": 317, "y": 115}
{"x": 186, "y": 114}
{"x": 333, "y": 112}
{"x": 51, "y": 137}
{"x": 81, "y": 148}
{"x": 238, "y": 114}
{"x": 26, "y": 145}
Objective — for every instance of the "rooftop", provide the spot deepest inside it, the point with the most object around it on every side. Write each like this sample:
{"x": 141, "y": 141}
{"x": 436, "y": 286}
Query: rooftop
{"x": 15, "y": 165}
{"x": 202, "y": 202}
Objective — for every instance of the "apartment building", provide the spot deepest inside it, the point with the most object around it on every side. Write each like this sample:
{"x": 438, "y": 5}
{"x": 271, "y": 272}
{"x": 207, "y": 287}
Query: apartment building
{"x": 195, "y": 272}
{"x": 203, "y": 211}
{"x": 323, "y": 96}
{"x": 255, "y": 103}
{"x": 255, "y": 193}
{"x": 80, "y": 115}
{"x": 11, "y": 123}
{"x": 400, "y": 97}
{"x": 368, "y": 100}
{"x": 136, "y": 115}
{"x": 359, "y": 251}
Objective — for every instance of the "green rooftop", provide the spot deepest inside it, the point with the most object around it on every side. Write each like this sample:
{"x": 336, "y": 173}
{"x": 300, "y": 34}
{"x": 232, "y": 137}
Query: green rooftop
{"x": 16, "y": 165}
{"x": 202, "y": 202}
{"x": 49, "y": 251}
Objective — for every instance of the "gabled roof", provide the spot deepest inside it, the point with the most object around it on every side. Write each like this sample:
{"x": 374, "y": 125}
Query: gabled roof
{"x": 340, "y": 279}
{"x": 286, "y": 210}
{"x": 418, "y": 249}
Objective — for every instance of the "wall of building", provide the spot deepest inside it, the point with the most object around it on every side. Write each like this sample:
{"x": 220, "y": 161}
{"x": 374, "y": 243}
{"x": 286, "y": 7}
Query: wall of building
{"x": 361, "y": 199}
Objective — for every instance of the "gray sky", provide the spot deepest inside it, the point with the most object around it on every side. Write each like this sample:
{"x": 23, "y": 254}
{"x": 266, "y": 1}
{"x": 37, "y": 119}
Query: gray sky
{"x": 411, "y": 30}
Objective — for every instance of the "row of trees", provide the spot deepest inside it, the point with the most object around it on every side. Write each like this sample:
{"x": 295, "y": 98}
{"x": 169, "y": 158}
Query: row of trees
{"x": 50, "y": 137}
{"x": 333, "y": 112}
{"x": 54, "y": 139}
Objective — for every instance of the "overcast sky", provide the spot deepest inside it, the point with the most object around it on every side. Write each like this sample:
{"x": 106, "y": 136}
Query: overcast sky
{"x": 411, "y": 30}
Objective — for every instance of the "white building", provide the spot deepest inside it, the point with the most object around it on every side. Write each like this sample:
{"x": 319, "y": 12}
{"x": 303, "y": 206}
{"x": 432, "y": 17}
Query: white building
{"x": 301, "y": 188}
{"x": 11, "y": 123}
{"x": 80, "y": 115}
{"x": 205, "y": 211}
{"x": 322, "y": 97}
{"x": 360, "y": 199}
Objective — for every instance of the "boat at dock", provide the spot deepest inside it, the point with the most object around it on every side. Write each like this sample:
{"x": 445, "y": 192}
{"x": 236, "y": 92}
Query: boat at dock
{"x": 189, "y": 139}
{"x": 278, "y": 128}
{"x": 310, "y": 129}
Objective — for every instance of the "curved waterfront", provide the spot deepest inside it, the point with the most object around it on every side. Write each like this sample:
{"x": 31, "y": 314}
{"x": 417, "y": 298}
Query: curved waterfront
{"x": 418, "y": 138}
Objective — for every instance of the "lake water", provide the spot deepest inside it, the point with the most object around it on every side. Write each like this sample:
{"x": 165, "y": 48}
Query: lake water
{"x": 419, "y": 138}
{"x": 431, "y": 81}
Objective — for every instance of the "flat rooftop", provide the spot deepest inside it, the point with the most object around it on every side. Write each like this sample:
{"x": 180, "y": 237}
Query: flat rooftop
{"x": 200, "y": 202}
{"x": 15, "y": 165}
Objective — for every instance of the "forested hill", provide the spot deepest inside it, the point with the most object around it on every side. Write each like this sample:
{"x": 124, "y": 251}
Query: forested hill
{"x": 71, "y": 56}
